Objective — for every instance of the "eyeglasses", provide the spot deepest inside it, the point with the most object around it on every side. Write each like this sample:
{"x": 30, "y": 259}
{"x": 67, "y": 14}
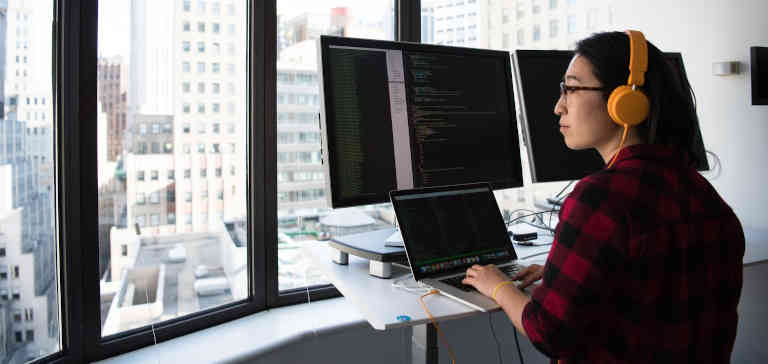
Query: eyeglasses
{"x": 565, "y": 89}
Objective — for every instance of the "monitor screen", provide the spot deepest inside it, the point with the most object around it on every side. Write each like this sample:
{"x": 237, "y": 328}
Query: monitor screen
{"x": 550, "y": 160}
{"x": 759, "y": 70}
{"x": 539, "y": 74}
{"x": 403, "y": 115}
{"x": 451, "y": 228}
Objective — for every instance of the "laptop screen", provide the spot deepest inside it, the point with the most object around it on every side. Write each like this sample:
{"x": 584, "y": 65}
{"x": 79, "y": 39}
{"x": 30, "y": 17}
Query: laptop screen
{"x": 451, "y": 228}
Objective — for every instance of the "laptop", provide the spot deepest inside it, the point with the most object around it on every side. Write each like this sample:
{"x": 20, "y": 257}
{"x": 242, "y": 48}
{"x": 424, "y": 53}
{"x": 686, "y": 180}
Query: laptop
{"x": 447, "y": 230}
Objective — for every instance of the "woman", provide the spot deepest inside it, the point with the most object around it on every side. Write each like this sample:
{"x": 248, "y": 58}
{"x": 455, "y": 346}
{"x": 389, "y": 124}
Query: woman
{"x": 646, "y": 264}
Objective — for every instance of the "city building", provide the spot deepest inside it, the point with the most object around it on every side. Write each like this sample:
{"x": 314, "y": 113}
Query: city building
{"x": 112, "y": 94}
{"x": 192, "y": 69}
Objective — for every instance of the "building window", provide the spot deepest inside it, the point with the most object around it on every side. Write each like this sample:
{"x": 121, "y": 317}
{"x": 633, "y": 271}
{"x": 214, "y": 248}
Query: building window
{"x": 19, "y": 338}
{"x": 201, "y": 6}
{"x": 188, "y": 219}
{"x": 201, "y": 128}
{"x": 536, "y": 7}
{"x": 536, "y": 32}
{"x": 185, "y": 67}
{"x": 203, "y": 174}
{"x": 201, "y": 108}
{"x": 552, "y": 4}
{"x": 215, "y": 67}
{"x": 553, "y": 28}
{"x": 17, "y": 315}
{"x": 201, "y": 47}
{"x": 154, "y": 175}
{"x": 232, "y": 170}
{"x": 187, "y": 173}
{"x": 185, "y": 26}
{"x": 185, "y": 108}
{"x": 154, "y": 220}
{"x": 30, "y": 335}
{"x": 571, "y": 24}
{"x": 188, "y": 196}
{"x": 29, "y": 314}
{"x": 171, "y": 218}
{"x": 4, "y": 294}
{"x": 520, "y": 37}
{"x": 141, "y": 220}
{"x": 185, "y": 128}
{"x": 171, "y": 174}
{"x": 141, "y": 198}
{"x": 187, "y": 5}
{"x": 201, "y": 148}
{"x": 16, "y": 293}
{"x": 201, "y": 67}
{"x": 216, "y": 28}
{"x": 186, "y": 148}
{"x": 124, "y": 250}
{"x": 215, "y": 88}
{"x": 139, "y": 175}
{"x": 216, "y": 107}
{"x": 142, "y": 129}
{"x": 154, "y": 197}
{"x": 216, "y": 128}
{"x": 170, "y": 195}
{"x": 185, "y": 88}
{"x": 201, "y": 27}
{"x": 155, "y": 147}
{"x": 168, "y": 147}
{"x": 218, "y": 171}
{"x": 185, "y": 46}
{"x": 2, "y": 252}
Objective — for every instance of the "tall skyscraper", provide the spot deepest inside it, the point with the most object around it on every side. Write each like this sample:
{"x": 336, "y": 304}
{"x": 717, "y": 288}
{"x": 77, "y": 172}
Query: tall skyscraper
{"x": 188, "y": 63}
{"x": 112, "y": 94}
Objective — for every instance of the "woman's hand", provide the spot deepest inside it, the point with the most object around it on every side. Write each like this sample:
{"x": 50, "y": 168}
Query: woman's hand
{"x": 484, "y": 278}
{"x": 529, "y": 275}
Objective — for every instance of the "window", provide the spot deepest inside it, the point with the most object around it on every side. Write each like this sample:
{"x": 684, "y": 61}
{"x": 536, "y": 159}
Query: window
{"x": 171, "y": 174}
{"x": 536, "y": 7}
{"x": 185, "y": 67}
{"x": 203, "y": 174}
{"x": 201, "y": 148}
{"x": 185, "y": 26}
{"x": 553, "y": 28}
{"x": 188, "y": 196}
{"x": 215, "y": 88}
{"x": 200, "y": 67}
{"x": 139, "y": 175}
{"x": 187, "y": 173}
{"x": 216, "y": 128}
{"x": 520, "y": 37}
{"x": 171, "y": 218}
{"x": 124, "y": 250}
{"x": 552, "y": 4}
{"x": 2, "y": 252}
{"x": 216, "y": 28}
{"x": 215, "y": 67}
{"x": 201, "y": 47}
{"x": 154, "y": 197}
{"x": 201, "y": 28}
{"x": 185, "y": 46}
{"x": 142, "y": 129}
{"x": 154, "y": 175}
{"x": 187, "y": 5}
{"x": 186, "y": 148}
{"x": 170, "y": 196}
{"x": 204, "y": 193}
{"x": 218, "y": 171}
{"x": 216, "y": 8}
{"x": 185, "y": 87}
{"x": 185, "y": 128}
{"x": 30, "y": 335}
{"x": 154, "y": 220}
{"x": 141, "y": 198}
{"x": 201, "y": 108}
{"x": 141, "y": 220}
{"x": 536, "y": 32}
{"x": 571, "y": 24}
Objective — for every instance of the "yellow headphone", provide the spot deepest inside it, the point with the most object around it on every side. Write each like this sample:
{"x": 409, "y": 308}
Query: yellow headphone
{"x": 627, "y": 105}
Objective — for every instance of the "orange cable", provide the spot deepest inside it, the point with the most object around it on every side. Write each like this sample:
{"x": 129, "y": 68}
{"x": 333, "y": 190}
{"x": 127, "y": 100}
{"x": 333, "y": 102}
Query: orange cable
{"x": 621, "y": 145}
{"x": 421, "y": 300}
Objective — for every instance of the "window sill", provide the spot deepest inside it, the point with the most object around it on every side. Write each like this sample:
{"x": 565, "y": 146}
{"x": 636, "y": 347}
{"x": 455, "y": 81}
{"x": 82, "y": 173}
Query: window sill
{"x": 253, "y": 336}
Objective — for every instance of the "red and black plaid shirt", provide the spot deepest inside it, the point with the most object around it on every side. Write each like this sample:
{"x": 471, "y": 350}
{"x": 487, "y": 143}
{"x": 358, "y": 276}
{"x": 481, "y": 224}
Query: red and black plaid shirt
{"x": 646, "y": 266}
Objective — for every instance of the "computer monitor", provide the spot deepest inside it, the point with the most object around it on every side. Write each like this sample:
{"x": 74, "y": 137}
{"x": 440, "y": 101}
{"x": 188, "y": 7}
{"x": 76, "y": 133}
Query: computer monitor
{"x": 538, "y": 74}
{"x": 402, "y": 115}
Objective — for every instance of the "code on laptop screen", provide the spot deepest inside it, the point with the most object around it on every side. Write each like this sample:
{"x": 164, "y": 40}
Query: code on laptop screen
{"x": 451, "y": 227}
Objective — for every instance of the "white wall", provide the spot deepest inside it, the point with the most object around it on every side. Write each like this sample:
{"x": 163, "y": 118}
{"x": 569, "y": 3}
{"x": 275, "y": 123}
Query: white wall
{"x": 707, "y": 31}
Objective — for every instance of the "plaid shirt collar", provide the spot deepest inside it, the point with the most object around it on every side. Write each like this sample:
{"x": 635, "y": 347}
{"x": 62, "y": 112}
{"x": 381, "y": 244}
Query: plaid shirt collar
{"x": 651, "y": 152}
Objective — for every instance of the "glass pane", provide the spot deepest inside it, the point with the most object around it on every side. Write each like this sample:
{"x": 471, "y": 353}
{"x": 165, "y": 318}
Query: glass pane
{"x": 303, "y": 209}
{"x": 166, "y": 249}
{"x": 29, "y": 301}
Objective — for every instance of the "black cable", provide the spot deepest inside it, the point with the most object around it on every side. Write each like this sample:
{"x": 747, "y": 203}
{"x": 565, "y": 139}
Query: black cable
{"x": 495, "y": 338}
{"x": 520, "y": 217}
{"x": 517, "y": 343}
{"x": 564, "y": 188}
{"x": 537, "y": 254}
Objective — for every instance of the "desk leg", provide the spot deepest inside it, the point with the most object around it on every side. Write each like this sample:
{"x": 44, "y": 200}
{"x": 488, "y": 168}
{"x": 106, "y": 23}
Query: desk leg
{"x": 340, "y": 257}
{"x": 424, "y": 344}
{"x": 379, "y": 269}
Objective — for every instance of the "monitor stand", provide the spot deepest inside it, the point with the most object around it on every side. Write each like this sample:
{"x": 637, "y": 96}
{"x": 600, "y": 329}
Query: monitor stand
{"x": 395, "y": 240}
{"x": 370, "y": 245}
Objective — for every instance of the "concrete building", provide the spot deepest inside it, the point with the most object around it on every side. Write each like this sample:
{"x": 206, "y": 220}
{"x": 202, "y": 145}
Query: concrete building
{"x": 188, "y": 62}
{"x": 112, "y": 94}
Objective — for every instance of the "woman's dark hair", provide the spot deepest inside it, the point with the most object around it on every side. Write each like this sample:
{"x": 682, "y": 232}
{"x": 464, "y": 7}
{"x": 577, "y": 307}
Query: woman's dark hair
{"x": 672, "y": 120}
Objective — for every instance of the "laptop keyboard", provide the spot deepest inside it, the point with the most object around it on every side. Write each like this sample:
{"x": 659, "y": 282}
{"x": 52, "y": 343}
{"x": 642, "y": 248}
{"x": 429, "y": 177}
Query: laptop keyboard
{"x": 509, "y": 270}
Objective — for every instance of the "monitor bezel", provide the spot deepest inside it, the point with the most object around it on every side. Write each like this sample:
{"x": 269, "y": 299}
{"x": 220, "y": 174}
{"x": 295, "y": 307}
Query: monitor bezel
{"x": 325, "y": 41}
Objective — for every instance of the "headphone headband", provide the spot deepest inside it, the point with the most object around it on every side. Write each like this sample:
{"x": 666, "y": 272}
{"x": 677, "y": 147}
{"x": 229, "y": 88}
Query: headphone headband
{"x": 638, "y": 58}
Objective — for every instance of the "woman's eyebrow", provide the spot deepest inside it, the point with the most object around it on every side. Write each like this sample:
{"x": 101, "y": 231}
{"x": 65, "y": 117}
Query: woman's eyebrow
{"x": 571, "y": 77}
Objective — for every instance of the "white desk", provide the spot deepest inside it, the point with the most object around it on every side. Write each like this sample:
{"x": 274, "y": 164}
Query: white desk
{"x": 386, "y": 307}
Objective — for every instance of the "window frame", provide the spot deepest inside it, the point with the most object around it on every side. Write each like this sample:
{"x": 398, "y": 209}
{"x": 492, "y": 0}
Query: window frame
{"x": 75, "y": 87}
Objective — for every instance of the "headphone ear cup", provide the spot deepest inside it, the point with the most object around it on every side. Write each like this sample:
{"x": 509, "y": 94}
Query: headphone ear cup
{"x": 627, "y": 106}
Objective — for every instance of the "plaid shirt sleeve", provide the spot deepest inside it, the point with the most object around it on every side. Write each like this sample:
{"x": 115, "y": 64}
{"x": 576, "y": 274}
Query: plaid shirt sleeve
{"x": 586, "y": 250}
